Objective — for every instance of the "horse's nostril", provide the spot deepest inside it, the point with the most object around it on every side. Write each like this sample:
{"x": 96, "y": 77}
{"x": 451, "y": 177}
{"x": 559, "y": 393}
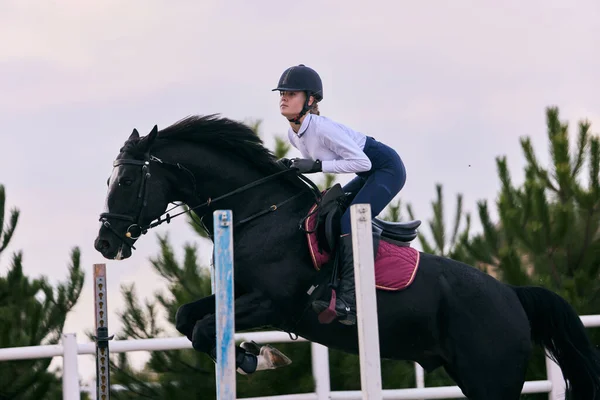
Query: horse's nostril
{"x": 104, "y": 244}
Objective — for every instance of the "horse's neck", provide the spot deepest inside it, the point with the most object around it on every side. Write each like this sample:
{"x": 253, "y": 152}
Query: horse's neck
{"x": 217, "y": 177}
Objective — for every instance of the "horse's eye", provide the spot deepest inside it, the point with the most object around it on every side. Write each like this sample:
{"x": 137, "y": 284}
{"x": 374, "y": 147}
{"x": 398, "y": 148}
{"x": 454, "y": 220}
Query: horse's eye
{"x": 125, "y": 182}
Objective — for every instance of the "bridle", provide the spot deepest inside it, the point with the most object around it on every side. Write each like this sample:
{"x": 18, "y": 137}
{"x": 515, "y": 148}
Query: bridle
{"x": 137, "y": 229}
{"x": 141, "y": 200}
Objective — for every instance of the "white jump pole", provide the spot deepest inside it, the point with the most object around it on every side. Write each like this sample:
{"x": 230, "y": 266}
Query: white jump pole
{"x": 224, "y": 300}
{"x": 366, "y": 302}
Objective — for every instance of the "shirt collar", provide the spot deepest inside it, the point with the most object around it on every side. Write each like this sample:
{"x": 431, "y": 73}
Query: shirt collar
{"x": 304, "y": 125}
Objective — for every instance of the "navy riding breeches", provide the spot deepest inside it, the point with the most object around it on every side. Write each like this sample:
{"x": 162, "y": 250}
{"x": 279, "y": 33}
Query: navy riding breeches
{"x": 380, "y": 184}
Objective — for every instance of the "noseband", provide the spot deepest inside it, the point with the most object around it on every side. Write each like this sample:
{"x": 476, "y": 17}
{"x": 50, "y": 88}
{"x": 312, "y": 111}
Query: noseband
{"x": 136, "y": 229}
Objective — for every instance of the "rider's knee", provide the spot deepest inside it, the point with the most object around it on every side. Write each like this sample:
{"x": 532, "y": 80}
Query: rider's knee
{"x": 181, "y": 319}
{"x": 201, "y": 339}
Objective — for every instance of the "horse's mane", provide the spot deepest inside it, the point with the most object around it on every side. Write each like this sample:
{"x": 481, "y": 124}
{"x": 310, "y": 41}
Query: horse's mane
{"x": 221, "y": 134}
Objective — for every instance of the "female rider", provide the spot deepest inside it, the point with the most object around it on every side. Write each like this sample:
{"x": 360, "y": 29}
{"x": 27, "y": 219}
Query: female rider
{"x": 331, "y": 147}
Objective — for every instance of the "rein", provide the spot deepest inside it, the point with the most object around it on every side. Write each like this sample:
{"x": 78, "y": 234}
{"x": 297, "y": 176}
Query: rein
{"x": 136, "y": 229}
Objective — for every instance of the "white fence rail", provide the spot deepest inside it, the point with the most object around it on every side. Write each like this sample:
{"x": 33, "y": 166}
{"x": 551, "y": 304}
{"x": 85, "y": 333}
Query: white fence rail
{"x": 70, "y": 348}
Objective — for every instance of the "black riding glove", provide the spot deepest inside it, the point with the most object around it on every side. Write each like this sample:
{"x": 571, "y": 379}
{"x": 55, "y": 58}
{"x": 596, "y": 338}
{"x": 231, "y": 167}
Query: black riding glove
{"x": 286, "y": 162}
{"x": 306, "y": 166}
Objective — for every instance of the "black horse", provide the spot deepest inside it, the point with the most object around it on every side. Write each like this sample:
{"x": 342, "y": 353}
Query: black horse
{"x": 452, "y": 315}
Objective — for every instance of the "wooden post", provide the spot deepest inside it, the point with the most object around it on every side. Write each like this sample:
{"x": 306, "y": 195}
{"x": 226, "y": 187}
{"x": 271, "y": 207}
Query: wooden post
{"x": 101, "y": 338}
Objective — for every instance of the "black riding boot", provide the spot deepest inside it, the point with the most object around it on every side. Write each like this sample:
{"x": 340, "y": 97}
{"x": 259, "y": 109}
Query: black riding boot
{"x": 345, "y": 304}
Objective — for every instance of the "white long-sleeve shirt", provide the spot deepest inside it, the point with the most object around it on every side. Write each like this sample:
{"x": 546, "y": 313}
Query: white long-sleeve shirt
{"x": 339, "y": 147}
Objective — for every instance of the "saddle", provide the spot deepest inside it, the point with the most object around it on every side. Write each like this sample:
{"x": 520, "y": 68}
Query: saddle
{"x": 334, "y": 202}
{"x": 396, "y": 262}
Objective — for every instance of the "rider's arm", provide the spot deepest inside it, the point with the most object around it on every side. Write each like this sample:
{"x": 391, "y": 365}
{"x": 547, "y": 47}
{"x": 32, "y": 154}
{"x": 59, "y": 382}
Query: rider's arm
{"x": 335, "y": 138}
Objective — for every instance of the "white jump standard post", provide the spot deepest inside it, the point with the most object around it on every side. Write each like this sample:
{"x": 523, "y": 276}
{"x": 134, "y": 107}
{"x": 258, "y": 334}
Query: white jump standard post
{"x": 366, "y": 302}
{"x": 224, "y": 301}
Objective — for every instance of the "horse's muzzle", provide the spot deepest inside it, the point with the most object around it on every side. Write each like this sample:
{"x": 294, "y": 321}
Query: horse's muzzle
{"x": 111, "y": 245}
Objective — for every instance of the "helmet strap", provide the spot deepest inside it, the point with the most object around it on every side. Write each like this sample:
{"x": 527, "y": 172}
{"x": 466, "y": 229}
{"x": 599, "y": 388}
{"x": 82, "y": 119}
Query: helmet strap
{"x": 305, "y": 108}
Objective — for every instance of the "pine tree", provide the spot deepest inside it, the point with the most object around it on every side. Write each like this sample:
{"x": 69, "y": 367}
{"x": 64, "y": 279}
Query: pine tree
{"x": 7, "y": 232}
{"x": 32, "y": 313}
{"x": 454, "y": 248}
{"x": 548, "y": 229}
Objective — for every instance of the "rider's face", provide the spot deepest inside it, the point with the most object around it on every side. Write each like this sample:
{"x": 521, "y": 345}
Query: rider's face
{"x": 291, "y": 103}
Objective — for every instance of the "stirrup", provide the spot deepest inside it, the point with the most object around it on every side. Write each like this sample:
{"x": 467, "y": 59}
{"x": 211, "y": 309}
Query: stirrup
{"x": 348, "y": 317}
{"x": 349, "y": 320}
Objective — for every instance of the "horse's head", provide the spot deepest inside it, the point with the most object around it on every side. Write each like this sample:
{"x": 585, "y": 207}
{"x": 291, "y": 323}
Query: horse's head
{"x": 138, "y": 191}
{"x": 208, "y": 162}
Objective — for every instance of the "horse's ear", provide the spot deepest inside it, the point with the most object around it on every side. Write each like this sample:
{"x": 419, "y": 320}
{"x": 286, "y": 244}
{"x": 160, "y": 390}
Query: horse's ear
{"x": 134, "y": 135}
{"x": 152, "y": 135}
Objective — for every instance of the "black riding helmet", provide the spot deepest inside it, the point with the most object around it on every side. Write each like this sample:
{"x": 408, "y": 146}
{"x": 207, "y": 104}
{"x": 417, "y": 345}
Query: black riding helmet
{"x": 301, "y": 78}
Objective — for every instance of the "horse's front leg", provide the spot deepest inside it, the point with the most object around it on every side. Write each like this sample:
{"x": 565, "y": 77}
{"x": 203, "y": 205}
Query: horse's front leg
{"x": 251, "y": 311}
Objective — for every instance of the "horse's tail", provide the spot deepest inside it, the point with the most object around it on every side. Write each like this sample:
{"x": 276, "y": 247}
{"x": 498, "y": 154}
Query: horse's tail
{"x": 558, "y": 328}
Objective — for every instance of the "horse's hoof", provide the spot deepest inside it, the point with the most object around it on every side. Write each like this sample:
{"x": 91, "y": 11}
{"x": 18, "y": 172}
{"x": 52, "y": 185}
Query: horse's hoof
{"x": 271, "y": 358}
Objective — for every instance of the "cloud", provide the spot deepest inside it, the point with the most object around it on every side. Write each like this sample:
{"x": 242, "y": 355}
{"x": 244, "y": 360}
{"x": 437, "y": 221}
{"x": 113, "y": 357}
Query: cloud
{"x": 84, "y": 51}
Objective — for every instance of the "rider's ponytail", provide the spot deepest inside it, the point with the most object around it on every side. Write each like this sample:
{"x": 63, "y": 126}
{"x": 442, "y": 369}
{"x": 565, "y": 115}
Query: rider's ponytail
{"x": 314, "y": 109}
